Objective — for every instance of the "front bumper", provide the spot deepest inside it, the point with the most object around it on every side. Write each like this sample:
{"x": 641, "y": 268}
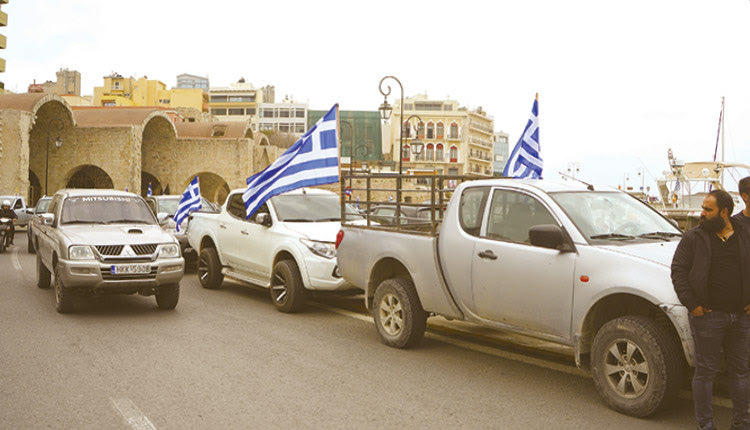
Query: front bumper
{"x": 323, "y": 275}
{"x": 95, "y": 276}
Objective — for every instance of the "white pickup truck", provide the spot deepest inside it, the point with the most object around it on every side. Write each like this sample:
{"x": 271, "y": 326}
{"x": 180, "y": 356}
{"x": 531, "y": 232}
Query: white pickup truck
{"x": 580, "y": 266}
{"x": 287, "y": 246}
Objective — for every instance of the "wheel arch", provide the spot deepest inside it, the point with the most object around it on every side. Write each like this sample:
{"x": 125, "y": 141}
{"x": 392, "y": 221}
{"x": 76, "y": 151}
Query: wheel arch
{"x": 385, "y": 268}
{"x": 614, "y": 306}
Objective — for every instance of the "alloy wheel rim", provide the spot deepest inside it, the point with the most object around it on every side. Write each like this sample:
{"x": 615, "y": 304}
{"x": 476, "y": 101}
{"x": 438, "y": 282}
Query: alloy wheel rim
{"x": 279, "y": 289}
{"x": 391, "y": 314}
{"x": 202, "y": 269}
{"x": 626, "y": 368}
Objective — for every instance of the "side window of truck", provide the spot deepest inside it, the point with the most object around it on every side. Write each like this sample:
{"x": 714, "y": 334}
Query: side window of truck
{"x": 471, "y": 209}
{"x": 19, "y": 204}
{"x": 512, "y": 214}
{"x": 261, "y": 210}
{"x": 236, "y": 207}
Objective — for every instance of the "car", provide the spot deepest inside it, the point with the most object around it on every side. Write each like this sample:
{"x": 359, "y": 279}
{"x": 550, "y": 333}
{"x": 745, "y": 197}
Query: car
{"x": 386, "y": 214}
{"x": 101, "y": 242}
{"x": 165, "y": 206}
{"x": 35, "y": 223}
{"x": 18, "y": 205}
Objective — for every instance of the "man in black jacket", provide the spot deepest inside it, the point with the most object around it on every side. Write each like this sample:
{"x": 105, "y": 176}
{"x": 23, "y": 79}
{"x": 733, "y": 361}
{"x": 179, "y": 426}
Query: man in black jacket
{"x": 744, "y": 189}
{"x": 7, "y": 212}
{"x": 711, "y": 280}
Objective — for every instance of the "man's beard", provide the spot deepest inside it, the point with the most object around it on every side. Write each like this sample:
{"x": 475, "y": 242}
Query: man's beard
{"x": 713, "y": 225}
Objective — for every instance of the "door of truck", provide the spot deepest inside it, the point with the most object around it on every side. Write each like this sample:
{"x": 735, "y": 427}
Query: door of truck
{"x": 514, "y": 282}
{"x": 228, "y": 230}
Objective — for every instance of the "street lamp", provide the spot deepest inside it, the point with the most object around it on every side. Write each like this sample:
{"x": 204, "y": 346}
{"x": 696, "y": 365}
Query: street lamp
{"x": 416, "y": 144}
{"x": 58, "y": 144}
{"x": 574, "y": 168}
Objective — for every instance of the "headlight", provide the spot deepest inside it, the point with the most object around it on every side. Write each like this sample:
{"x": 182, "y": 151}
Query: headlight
{"x": 324, "y": 249}
{"x": 170, "y": 250}
{"x": 81, "y": 252}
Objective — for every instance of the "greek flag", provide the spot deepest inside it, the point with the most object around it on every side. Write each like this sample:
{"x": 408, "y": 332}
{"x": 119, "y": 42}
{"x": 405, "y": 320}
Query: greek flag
{"x": 312, "y": 160}
{"x": 148, "y": 193}
{"x": 190, "y": 202}
{"x": 525, "y": 161}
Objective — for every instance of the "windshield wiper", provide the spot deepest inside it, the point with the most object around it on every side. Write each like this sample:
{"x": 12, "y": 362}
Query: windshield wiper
{"x": 613, "y": 236}
{"x": 665, "y": 235}
{"x": 80, "y": 221}
{"x": 297, "y": 220}
{"x": 128, "y": 221}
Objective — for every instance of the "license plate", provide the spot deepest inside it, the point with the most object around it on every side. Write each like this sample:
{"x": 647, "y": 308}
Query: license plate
{"x": 130, "y": 269}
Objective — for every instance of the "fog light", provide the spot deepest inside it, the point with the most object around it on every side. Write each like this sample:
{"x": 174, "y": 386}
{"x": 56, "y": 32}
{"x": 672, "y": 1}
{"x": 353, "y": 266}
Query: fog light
{"x": 171, "y": 268}
{"x": 80, "y": 270}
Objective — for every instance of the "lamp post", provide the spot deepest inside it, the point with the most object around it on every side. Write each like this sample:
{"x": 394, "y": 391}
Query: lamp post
{"x": 416, "y": 145}
{"x": 574, "y": 168}
{"x": 58, "y": 144}
{"x": 351, "y": 154}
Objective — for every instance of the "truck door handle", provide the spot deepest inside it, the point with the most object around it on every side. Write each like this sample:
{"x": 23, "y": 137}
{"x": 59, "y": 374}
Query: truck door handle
{"x": 244, "y": 232}
{"x": 488, "y": 254}
{"x": 223, "y": 226}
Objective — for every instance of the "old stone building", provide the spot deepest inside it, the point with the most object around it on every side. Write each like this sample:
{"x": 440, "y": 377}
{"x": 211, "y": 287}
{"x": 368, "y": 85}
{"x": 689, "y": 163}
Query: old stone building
{"x": 46, "y": 145}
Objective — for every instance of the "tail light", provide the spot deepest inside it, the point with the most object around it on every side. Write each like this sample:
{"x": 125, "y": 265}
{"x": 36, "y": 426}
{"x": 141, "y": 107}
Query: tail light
{"x": 339, "y": 238}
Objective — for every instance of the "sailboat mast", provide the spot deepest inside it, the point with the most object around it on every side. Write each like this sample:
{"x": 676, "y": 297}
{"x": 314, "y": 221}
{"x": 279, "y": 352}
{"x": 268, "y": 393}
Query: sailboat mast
{"x": 723, "y": 120}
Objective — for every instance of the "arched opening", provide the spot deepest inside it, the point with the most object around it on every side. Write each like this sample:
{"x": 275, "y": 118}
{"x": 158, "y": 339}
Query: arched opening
{"x": 149, "y": 179}
{"x": 51, "y": 143}
{"x": 35, "y": 189}
{"x": 158, "y": 152}
{"x": 213, "y": 187}
{"x": 88, "y": 176}
{"x": 264, "y": 160}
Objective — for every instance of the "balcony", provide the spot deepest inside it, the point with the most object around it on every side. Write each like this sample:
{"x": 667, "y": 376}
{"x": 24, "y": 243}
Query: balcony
{"x": 481, "y": 142}
{"x": 481, "y": 128}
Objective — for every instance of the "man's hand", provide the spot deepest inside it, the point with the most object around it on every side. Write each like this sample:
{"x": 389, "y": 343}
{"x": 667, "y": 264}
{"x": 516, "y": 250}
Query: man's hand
{"x": 700, "y": 311}
{"x": 747, "y": 309}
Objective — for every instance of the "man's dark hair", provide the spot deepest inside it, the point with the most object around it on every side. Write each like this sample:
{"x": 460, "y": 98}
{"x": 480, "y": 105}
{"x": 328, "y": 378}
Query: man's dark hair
{"x": 744, "y": 185}
{"x": 723, "y": 200}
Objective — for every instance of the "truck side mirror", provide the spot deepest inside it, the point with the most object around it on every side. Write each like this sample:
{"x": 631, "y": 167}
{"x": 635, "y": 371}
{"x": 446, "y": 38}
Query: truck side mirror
{"x": 263, "y": 219}
{"x": 549, "y": 236}
{"x": 162, "y": 217}
{"x": 48, "y": 219}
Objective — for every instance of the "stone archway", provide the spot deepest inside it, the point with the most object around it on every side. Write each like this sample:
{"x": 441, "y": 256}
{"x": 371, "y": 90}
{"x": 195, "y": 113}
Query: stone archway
{"x": 213, "y": 187}
{"x": 156, "y": 187}
{"x": 89, "y": 176}
{"x": 35, "y": 189}
{"x": 158, "y": 152}
{"x": 51, "y": 138}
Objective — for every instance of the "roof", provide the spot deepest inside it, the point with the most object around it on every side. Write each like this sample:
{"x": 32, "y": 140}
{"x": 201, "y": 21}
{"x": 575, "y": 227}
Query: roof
{"x": 540, "y": 184}
{"x": 98, "y": 116}
{"x": 231, "y": 129}
{"x": 87, "y": 192}
{"x": 25, "y": 102}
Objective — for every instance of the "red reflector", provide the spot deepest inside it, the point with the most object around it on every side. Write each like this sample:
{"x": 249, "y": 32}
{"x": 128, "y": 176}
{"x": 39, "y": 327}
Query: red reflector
{"x": 339, "y": 237}
{"x": 584, "y": 278}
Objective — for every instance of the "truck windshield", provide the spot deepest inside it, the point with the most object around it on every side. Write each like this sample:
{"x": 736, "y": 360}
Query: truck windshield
{"x": 311, "y": 208}
{"x": 106, "y": 210}
{"x": 614, "y": 216}
{"x": 169, "y": 205}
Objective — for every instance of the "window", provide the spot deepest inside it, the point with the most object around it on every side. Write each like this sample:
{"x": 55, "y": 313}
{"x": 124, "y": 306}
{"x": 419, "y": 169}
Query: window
{"x": 454, "y": 154}
{"x": 453, "y": 171}
{"x": 299, "y": 113}
{"x": 428, "y": 106}
{"x": 116, "y": 85}
{"x": 261, "y": 210}
{"x": 268, "y": 113}
{"x": 440, "y": 130}
{"x": 19, "y": 204}
{"x": 236, "y": 111}
{"x": 419, "y": 157}
{"x": 219, "y": 111}
{"x": 406, "y": 130}
{"x": 299, "y": 128}
{"x": 512, "y": 214}
{"x": 420, "y": 130}
{"x": 430, "y": 130}
{"x": 241, "y": 99}
{"x": 454, "y": 131}
{"x": 250, "y": 111}
{"x": 430, "y": 152}
{"x": 439, "y": 152}
{"x": 284, "y": 128}
{"x": 283, "y": 113}
{"x": 471, "y": 209}
{"x": 498, "y": 157}
{"x": 218, "y": 99}
{"x": 236, "y": 207}
{"x": 406, "y": 153}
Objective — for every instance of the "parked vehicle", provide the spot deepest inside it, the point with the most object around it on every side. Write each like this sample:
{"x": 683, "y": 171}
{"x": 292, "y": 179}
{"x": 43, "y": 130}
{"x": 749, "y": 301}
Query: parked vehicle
{"x": 35, "y": 222}
{"x": 165, "y": 206}
{"x": 580, "y": 266}
{"x": 18, "y": 205}
{"x": 385, "y": 214}
{"x": 106, "y": 242}
{"x": 5, "y": 225}
{"x": 287, "y": 246}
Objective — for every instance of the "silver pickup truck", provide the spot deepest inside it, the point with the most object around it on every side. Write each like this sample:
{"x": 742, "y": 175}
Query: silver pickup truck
{"x": 572, "y": 264}
{"x": 106, "y": 242}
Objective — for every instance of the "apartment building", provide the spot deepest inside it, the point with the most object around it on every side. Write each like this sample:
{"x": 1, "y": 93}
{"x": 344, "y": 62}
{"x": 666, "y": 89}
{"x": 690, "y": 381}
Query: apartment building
{"x": 502, "y": 151}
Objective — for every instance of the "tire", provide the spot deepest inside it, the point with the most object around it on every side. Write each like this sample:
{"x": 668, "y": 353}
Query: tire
{"x": 288, "y": 292}
{"x": 209, "y": 269}
{"x": 653, "y": 370}
{"x": 399, "y": 317}
{"x": 30, "y": 245}
{"x": 63, "y": 296}
{"x": 43, "y": 275}
{"x": 167, "y": 297}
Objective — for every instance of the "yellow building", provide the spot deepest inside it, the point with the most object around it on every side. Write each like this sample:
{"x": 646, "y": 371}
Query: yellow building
{"x": 120, "y": 91}
{"x": 457, "y": 141}
{"x": 3, "y": 40}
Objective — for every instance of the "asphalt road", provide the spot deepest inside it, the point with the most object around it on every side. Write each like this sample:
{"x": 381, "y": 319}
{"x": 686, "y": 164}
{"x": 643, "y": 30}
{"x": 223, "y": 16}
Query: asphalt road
{"x": 227, "y": 359}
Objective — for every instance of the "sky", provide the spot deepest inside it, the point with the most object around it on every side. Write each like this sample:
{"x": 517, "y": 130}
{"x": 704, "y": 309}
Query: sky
{"x": 619, "y": 83}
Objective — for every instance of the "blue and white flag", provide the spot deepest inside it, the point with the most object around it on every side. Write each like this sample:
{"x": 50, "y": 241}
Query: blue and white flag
{"x": 190, "y": 202}
{"x": 312, "y": 160}
{"x": 148, "y": 193}
{"x": 525, "y": 161}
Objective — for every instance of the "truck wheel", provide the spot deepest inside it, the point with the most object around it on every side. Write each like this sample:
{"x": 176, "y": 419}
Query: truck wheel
{"x": 42, "y": 274}
{"x": 167, "y": 297}
{"x": 30, "y": 246}
{"x": 637, "y": 366}
{"x": 287, "y": 290}
{"x": 63, "y": 296}
{"x": 399, "y": 316}
{"x": 209, "y": 269}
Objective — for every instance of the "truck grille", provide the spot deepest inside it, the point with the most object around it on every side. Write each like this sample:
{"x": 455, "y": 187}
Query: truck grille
{"x": 109, "y": 249}
{"x": 146, "y": 249}
{"x": 108, "y": 276}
